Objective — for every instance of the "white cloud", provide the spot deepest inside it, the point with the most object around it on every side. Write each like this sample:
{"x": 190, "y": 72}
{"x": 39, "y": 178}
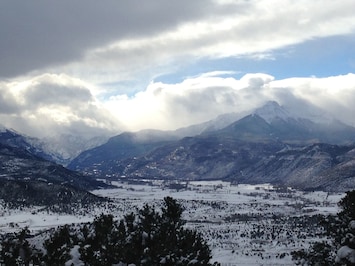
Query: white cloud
{"x": 335, "y": 94}
{"x": 169, "y": 106}
{"x": 197, "y": 99}
{"x": 33, "y": 110}
{"x": 51, "y": 104}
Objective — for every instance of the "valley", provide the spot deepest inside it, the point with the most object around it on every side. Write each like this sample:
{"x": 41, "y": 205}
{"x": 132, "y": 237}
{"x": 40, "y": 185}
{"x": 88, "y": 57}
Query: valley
{"x": 243, "y": 224}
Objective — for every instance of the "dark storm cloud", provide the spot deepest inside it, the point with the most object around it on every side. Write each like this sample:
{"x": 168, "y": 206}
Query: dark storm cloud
{"x": 56, "y": 94}
{"x": 38, "y": 34}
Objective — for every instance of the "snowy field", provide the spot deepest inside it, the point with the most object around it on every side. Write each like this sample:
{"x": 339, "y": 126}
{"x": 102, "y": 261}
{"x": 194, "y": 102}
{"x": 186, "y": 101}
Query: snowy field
{"x": 243, "y": 224}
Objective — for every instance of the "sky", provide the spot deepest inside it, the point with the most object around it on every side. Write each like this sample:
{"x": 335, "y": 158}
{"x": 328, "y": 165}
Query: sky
{"x": 102, "y": 67}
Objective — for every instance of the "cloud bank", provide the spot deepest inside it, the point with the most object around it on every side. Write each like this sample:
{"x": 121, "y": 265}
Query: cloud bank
{"x": 50, "y": 104}
{"x": 202, "y": 98}
{"x": 69, "y": 105}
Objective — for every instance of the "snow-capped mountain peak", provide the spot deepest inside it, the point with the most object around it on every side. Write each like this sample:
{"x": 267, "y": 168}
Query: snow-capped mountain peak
{"x": 272, "y": 110}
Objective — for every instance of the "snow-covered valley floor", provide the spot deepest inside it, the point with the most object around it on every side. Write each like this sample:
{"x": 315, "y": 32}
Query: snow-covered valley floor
{"x": 243, "y": 224}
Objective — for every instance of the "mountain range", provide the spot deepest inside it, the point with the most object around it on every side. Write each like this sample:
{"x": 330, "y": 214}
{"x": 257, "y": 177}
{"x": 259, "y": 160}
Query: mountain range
{"x": 247, "y": 150}
{"x": 270, "y": 144}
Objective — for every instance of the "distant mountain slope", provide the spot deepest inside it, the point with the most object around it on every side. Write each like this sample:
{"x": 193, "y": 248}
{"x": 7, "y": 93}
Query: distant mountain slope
{"x": 217, "y": 123}
{"x": 16, "y": 140}
{"x": 38, "y": 193}
{"x": 60, "y": 149}
{"x": 64, "y": 148}
{"x": 123, "y": 146}
{"x": 273, "y": 122}
{"x": 194, "y": 158}
{"x": 316, "y": 166}
{"x": 27, "y": 178}
{"x": 272, "y": 110}
{"x": 16, "y": 163}
{"x": 133, "y": 144}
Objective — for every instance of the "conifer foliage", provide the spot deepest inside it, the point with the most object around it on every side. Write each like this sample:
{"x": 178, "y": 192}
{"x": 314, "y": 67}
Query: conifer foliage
{"x": 59, "y": 245}
{"x": 15, "y": 249}
{"x": 145, "y": 237}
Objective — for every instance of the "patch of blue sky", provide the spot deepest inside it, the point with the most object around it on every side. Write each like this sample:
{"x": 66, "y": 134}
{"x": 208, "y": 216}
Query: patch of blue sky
{"x": 321, "y": 57}
{"x": 129, "y": 88}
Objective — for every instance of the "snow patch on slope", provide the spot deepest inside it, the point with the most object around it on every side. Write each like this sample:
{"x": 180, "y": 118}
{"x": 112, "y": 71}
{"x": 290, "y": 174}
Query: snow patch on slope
{"x": 64, "y": 148}
{"x": 272, "y": 110}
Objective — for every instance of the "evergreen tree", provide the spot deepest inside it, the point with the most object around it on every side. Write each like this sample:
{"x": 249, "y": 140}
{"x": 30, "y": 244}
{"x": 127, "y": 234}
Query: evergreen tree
{"x": 16, "y": 249}
{"x": 346, "y": 251}
{"x": 171, "y": 242}
{"x": 58, "y": 246}
{"x": 348, "y": 206}
{"x": 99, "y": 246}
{"x": 132, "y": 248}
{"x": 121, "y": 241}
{"x": 149, "y": 226}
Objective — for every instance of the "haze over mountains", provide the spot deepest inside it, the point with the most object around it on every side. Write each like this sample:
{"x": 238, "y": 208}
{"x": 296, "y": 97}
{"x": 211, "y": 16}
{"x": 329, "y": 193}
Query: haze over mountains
{"x": 268, "y": 145}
